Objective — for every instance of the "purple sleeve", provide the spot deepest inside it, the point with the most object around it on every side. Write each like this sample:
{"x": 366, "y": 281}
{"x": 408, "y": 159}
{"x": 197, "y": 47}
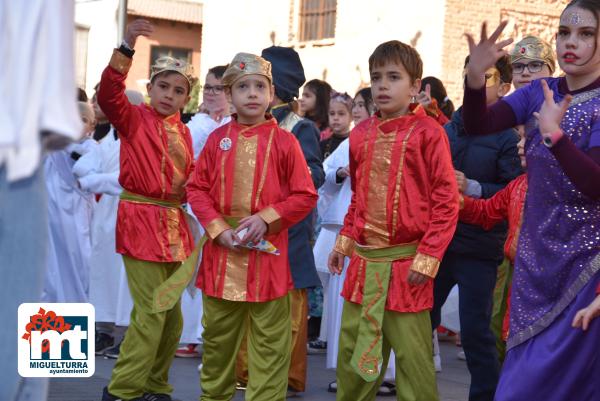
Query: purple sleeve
{"x": 583, "y": 169}
{"x": 480, "y": 119}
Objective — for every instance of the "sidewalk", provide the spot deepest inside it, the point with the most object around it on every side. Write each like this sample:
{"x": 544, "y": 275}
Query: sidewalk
{"x": 453, "y": 381}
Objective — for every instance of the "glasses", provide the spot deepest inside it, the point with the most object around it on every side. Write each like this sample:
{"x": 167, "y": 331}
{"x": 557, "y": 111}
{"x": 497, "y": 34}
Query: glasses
{"x": 214, "y": 89}
{"x": 533, "y": 67}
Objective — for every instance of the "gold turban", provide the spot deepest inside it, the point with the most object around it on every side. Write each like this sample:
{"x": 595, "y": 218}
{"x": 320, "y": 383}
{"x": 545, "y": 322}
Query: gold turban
{"x": 167, "y": 63}
{"x": 246, "y": 64}
{"x": 533, "y": 48}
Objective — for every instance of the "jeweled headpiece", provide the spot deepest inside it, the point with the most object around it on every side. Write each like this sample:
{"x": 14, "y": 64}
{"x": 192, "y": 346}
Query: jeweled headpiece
{"x": 167, "y": 63}
{"x": 246, "y": 64}
{"x": 534, "y": 48}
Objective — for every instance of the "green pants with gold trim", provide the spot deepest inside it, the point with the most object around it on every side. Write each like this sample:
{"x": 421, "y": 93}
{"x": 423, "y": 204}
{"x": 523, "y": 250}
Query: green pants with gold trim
{"x": 269, "y": 348}
{"x": 409, "y": 335}
{"x": 500, "y": 305}
{"x": 151, "y": 338}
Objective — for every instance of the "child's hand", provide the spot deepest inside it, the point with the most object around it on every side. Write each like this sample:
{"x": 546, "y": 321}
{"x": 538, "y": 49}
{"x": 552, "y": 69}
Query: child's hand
{"x": 551, "y": 113}
{"x": 227, "y": 238}
{"x": 336, "y": 262}
{"x": 343, "y": 172}
{"x": 256, "y": 226}
{"x": 137, "y": 28}
{"x": 584, "y": 316}
{"x": 461, "y": 180}
{"x": 483, "y": 55}
{"x": 424, "y": 97}
{"x": 416, "y": 278}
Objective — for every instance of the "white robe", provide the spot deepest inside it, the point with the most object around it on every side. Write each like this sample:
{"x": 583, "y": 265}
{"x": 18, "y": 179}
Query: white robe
{"x": 69, "y": 244}
{"x": 98, "y": 172}
{"x": 201, "y": 125}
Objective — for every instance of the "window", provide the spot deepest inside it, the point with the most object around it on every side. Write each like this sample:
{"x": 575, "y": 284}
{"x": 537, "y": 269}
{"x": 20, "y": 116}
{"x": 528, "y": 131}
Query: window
{"x": 157, "y": 52}
{"x": 317, "y": 19}
{"x": 81, "y": 50}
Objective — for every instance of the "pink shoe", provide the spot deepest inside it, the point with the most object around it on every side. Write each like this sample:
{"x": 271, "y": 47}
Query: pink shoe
{"x": 188, "y": 351}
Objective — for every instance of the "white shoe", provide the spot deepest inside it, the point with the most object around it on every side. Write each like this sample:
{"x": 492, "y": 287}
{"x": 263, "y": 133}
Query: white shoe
{"x": 200, "y": 368}
{"x": 437, "y": 363}
{"x": 461, "y": 355}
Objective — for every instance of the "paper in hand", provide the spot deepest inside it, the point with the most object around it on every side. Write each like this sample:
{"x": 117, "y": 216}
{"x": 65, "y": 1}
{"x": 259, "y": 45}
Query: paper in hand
{"x": 262, "y": 246}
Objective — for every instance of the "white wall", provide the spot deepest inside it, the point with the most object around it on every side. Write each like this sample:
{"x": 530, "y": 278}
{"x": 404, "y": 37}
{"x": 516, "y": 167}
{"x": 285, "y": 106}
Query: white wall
{"x": 101, "y": 17}
{"x": 231, "y": 26}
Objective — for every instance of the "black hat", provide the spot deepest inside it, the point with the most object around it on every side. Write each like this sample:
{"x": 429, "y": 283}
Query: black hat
{"x": 287, "y": 70}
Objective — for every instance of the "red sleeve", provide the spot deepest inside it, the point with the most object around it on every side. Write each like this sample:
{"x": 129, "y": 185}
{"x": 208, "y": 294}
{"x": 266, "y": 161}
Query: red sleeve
{"x": 111, "y": 95}
{"x": 302, "y": 196}
{"x": 443, "y": 195}
{"x": 198, "y": 192}
{"x": 487, "y": 212}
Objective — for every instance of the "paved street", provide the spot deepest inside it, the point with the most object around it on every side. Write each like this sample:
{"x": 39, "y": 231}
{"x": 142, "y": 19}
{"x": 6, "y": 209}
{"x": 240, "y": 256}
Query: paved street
{"x": 453, "y": 381}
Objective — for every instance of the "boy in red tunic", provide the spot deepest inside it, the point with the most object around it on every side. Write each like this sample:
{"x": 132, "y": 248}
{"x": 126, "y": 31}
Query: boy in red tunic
{"x": 401, "y": 218}
{"x": 152, "y": 233}
{"x": 251, "y": 175}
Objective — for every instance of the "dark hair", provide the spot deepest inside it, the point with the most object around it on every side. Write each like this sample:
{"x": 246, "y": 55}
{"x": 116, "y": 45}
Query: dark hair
{"x": 592, "y": 6}
{"x": 395, "y": 51}
{"x": 218, "y": 71}
{"x": 367, "y": 96}
{"x": 503, "y": 66}
{"x": 168, "y": 73}
{"x": 322, "y": 91}
{"x": 81, "y": 95}
{"x": 438, "y": 92}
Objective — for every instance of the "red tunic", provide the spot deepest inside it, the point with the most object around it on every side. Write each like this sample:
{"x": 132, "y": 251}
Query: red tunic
{"x": 244, "y": 171}
{"x": 404, "y": 191}
{"x": 506, "y": 204}
{"x": 156, "y": 160}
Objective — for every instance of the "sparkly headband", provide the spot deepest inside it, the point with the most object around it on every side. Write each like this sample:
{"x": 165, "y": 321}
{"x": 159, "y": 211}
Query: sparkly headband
{"x": 343, "y": 98}
{"x": 167, "y": 63}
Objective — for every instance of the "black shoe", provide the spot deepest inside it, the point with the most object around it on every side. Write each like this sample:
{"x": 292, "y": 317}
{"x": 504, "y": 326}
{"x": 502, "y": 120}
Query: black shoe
{"x": 106, "y": 396}
{"x": 156, "y": 397}
{"x": 332, "y": 388}
{"x": 387, "y": 389}
{"x": 292, "y": 392}
{"x": 241, "y": 386}
{"x": 317, "y": 347}
{"x": 113, "y": 352}
{"x": 103, "y": 342}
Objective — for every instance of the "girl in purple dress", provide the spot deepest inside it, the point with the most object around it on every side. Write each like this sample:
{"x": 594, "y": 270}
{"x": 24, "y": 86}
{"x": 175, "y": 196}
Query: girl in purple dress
{"x": 557, "y": 268}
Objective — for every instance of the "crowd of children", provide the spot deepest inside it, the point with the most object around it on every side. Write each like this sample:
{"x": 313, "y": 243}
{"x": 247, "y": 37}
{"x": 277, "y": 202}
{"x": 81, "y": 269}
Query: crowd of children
{"x": 207, "y": 238}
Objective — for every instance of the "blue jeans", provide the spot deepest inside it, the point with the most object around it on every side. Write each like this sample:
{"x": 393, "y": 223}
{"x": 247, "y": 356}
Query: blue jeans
{"x": 23, "y": 247}
{"x": 476, "y": 279}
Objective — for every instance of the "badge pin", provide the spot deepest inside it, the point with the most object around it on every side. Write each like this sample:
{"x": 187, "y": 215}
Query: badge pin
{"x": 225, "y": 144}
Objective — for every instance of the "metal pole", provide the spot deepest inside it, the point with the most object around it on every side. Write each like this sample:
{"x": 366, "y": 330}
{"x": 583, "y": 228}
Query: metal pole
{"x": 121, "y": 21}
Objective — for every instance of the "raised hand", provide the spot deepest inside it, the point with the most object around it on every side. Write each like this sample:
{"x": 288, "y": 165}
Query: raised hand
{"x": 136, "y": 28}
{"x": 551, "y": 113}
{"x": 424, "y": 97}
{"x": 483, "y": 55}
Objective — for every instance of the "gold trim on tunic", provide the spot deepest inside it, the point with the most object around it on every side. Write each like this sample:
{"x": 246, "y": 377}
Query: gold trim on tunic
{"x": 344, "y": 245}
{"x": 396, "y": 206}
{"x": 425, "y": 264}
{"x": 216, "y": 227}
{"x": 120, "y": 62}
{"x": 272, "y": 218}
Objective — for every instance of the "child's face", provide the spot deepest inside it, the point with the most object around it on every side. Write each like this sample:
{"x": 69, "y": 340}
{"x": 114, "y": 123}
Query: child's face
{"x": 339, "y": 118}
{"x": 251, "y": 96}
{"x": 576, "y": 42}
{"x": 393, "y": 89}
{"x": 495, "y": 89}
{"x": 521, "y": 145}
{"x": 89, "y": 123}
{"x": 525, "y": 71}
{"x": 359, "y": 110}
{"x": 168, "y": 93}
{"x": 98, "y": 113}
{"x": 307, "y": 101}
{"x": 213, "y": 94}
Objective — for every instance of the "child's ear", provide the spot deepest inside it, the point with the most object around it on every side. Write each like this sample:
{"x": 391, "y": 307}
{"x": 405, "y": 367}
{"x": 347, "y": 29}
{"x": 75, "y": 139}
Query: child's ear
{"x": 271, "y": 94}
{"x": 415, "y": 88}
{"x": 503, "y": 89}
{"x": 148, "y": 87}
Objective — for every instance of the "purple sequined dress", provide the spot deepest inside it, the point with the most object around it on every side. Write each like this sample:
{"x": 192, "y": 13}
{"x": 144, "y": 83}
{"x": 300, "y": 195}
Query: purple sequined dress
{"x": 557, "y": 264}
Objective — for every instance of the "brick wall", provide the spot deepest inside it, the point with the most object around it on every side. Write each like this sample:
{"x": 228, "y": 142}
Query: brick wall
{"x": 166, "y": 33}
{"x": 526, "y": 17}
